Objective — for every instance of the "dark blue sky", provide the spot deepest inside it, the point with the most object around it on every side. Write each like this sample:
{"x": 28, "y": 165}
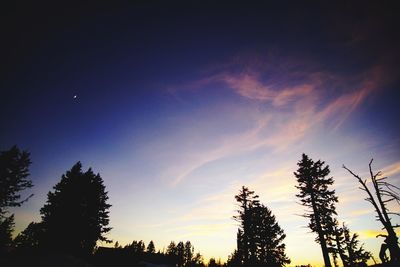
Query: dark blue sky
{"x": 116, "y": 58}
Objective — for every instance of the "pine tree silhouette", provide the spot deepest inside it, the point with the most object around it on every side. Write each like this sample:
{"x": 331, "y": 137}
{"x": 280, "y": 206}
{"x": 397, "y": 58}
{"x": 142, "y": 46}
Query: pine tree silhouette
{"x": 151, "y": 248}
{"x": 351, "y": 252}
{"x": 259, "y": 234}
{"x": 14, "y": 170}
{"x": 75, "y": 215}
{"x": 29, "y": 239}
{"x": 314, "y": 194}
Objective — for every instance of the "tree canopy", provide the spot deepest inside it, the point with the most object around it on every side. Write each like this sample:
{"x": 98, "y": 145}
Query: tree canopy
{"x": 259, "y": 238}
{"x": 14, "y": 170}
{"x": 150, "y": 247}
{"x": 75, "y": 215}
{"x": 29, "y": 238}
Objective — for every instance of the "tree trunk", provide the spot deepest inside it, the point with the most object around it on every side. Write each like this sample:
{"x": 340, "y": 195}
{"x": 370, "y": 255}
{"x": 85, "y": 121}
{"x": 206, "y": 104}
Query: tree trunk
{"x": 381, "y": 211}
{"x": 394, "y": 249}
{"x": 321, "y": 237}
{"x": 340, "y": 250}
{"x": 324, "y": 248}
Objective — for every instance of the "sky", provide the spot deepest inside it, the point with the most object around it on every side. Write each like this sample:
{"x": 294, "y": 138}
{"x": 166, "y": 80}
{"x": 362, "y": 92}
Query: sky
{"x": 179, "y": 105}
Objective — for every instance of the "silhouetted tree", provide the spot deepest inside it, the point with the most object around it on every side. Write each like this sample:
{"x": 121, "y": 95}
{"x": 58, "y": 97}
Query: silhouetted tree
{"x": 180, "y": 253}
{"x": 269, "y": 238}
{"x": 233, "y": 260}
{"x": 197, "y": 260}
{"x": 314, "y": 194}
{"x": 117, "y": 245}
{"x": 385, "y": 192}
{"x": 171, "y": 249}
{"x": 14, "y": 170}
{"x": 259, "y": 233}
{"x": 29, "y": 238}
{"x": 339, "y": 249}
{"x": 349, "y": 249}
{"x": 245, "y": 243}
{"x": 151, "y": 248}
{"x": 213, "y": 263}
{"x": 136, "y": 247}
{"x": 172, "y": 252}
{"x": 188, "y": 253}
{"x": 6, "y": 229}
{"x": 75, "y": 215}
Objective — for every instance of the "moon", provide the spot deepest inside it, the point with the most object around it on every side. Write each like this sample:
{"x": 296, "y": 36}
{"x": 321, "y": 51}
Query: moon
{"x": 75, "y": 96}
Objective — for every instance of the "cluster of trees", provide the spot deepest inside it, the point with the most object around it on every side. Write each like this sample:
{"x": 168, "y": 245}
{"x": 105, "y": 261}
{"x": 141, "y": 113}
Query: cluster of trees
{"x": 74, "y": 217}
{"x": 179, "y": 254}
{"x": 314, "y": 185}
{"x": 260, "y": 238}
{"x": 183, "y": 254}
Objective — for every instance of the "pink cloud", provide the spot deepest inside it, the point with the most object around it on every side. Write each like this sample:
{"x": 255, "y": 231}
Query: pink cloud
{"x": 250, "y": 86}
{"x": 289, "y": 100}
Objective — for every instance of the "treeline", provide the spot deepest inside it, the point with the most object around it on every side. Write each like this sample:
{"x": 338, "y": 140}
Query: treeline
{"x": 76, "y": 216}
{"x": 260, "y": 239}
{"x": 176, "y": 254}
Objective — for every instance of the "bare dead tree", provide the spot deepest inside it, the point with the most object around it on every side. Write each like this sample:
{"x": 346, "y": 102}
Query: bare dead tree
{"x": 384, "y": 193}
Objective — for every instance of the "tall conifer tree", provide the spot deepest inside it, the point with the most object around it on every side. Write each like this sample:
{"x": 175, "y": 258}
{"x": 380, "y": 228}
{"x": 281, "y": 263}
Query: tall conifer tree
{"x": 14, "y": 172}
{"x": 259, "y": 238}
{"x": 349, "y": 248}
{"x": 75, "y": 215}
{"x": 247, "y": 200}
{"x": 151, "y": 248}
{"x": 313, "y": 183}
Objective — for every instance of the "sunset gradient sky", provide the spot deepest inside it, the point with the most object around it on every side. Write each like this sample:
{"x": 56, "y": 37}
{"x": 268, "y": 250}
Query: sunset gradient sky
{"x": 179, "y": 106}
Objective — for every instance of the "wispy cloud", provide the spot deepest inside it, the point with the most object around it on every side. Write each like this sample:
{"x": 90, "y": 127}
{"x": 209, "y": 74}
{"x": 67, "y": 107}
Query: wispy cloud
{"x": 372, "y": 233}
{"x": 392, "y": 170}
{"x": 249, "y": 85}
{"x": 288, "y": 104}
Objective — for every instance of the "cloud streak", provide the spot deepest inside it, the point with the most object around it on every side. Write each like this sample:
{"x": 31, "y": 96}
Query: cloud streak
{"x": 287, "y": 104}
{"x": 250, "y": 86}
{"x": 392, "y": 170}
